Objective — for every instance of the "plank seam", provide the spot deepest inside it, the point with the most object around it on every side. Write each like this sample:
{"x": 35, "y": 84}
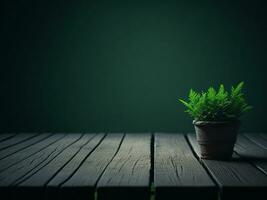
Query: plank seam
{"x": 252, "y": 164}
{"x": 151, "y": 175}
{"x": 81, "y": 163}
{"x": 70, "y": 159}
{"x": 211, "y": 175}
{"x": 152, "y": 150}
{"x": 26, "y": 146}
{"x": 255, "y": 142}
{"x": 3, "y": 148}
{"x": 101, "y": 174}
{"x": 23, "y": 178}
{"x": 249, "y": 161}
{"x": 262, "y": 170}
{"x": 9, "y": 137}
{"x": 32, "y": 153}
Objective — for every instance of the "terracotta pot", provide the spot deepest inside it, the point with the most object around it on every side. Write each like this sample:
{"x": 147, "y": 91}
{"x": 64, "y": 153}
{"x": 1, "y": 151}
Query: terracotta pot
{"x": 216, "y": 139}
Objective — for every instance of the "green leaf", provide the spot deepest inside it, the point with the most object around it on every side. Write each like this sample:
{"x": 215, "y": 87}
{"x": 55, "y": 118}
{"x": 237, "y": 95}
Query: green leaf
{"x": 216, "y": 106}
{"x": 185, "y": 103}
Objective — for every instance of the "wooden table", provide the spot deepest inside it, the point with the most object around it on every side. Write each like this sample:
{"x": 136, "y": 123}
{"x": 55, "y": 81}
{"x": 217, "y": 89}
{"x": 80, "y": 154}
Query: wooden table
{"x": 128, "y": 166}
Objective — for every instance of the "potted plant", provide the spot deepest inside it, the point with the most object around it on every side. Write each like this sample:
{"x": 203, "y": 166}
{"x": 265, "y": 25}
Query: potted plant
{"x": 216, "y": 119}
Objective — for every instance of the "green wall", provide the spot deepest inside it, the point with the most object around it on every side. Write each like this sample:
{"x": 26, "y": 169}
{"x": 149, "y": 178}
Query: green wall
{"x": 121, "y": 65}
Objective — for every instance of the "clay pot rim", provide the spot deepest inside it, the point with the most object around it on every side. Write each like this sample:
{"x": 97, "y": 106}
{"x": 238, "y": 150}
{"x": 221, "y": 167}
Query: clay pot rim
{"x": 215, "y": 123}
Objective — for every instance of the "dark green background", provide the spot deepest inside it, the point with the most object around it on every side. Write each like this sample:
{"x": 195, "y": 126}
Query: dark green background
{"x": 121, "y": 65}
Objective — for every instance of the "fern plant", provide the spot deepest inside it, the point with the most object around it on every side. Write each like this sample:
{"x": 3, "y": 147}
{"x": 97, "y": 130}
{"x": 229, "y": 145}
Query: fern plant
{"x": 215, "y": 105}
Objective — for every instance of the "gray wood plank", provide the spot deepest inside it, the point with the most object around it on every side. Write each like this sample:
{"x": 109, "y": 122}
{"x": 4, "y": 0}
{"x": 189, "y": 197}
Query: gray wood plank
{"x": 16, "y": 140}
{"x": 43, "y": 176}
{"x": 258, "y": 139}
{"x": 28, "y": 152}
{"x": 264, "y": 135}
{"x": 53, "y": 186}
{"x": 261, "y": 166}
{"x": 81, "y": 185}
{"x": 11, "y": 150}
{"x": 177, "y": 173}
{"x": 253, "y": 148}
{"x": 6, "y": 136}
{"x": 31, "y": 165}
{"x": 62, "y": 165}
{"x": 128, "y": 174}
{"x": 236, "y": 178}
{"x": 249, "y": 150}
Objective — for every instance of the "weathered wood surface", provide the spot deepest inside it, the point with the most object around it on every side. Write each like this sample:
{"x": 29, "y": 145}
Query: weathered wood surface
{"x": 259, "y": 139}
{"x": 126, "y": 166}
{"x": 23, "y": 145}
{"x": 28, "y": 152}
{"x": 129, "y": 171}
{"x": 177, "y": 173}
{"x": 27, "y": 167}
{"x": 65, "y": 173}
{"x": 6, "y": 136}
{"x": 250, "y": 149}
{"x": 253, "y": 148}
{"x": 81, "y": 185}
{"x": 16, "y": 140}
{"x": 237, "y": 178}
{"x": 51, "y": 169}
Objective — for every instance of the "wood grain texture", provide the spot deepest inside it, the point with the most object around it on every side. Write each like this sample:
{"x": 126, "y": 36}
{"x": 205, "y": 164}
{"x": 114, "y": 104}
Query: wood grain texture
{"x": 177, "y": 173}
{"x": 81, "y": 185}
{"x": 41, "y": 177}
{"x": 29, "y": 187}
{"x": 31, "y": 165}
{"x": 259, "y": 139}
{"x": 23, "y": 145}
{"x": 28, "y": 152}
{"x": 129, "y": 171}
{"x": 250, "y": 150}
{"x": 16, "y": 140}
{"x": 253, "y": 148}
{"x": 6, "y": 136}
{"x": 123, "y": 166}
{"x": 261, "y": 166}
{"x": 237, "y": 178}
{"x": 53, "y": 186}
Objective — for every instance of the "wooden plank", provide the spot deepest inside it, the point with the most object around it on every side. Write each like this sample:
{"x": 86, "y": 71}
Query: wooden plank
{"x": 62, "y": 165}
{"x": 11, "y": 150}
{"x": 264, "y": 135}
{"x": 177, "y": 173}
{"x": 236, "y": 178}
{"x": 16, "y": 140}
{"x": 261, "y": 166}
{"x": 6, "y": 136}
{"x": 53, "y": 186}
{"x": 249, "y": 150}
{"x": 81, "y": 185}
{"x": 28, "y": 152}
{"x": 253, "y": 148}
{"x": 127, "y": 176}
{"x": 258, "y": 139}
{"x": 43, "y": 176}
{"x": 31, "y": 165}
